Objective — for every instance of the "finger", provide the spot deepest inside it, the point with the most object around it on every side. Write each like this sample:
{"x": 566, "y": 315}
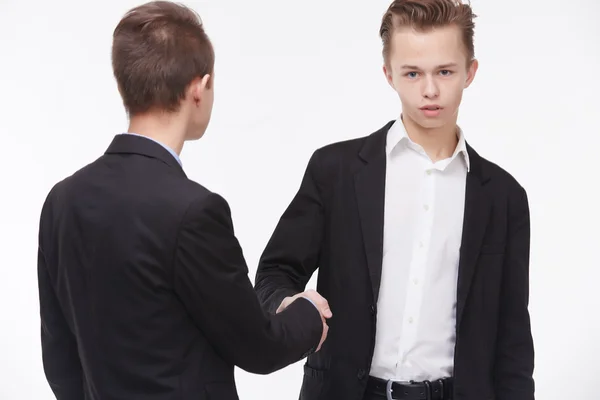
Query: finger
{"x": 327, "y": 311}
{"x": 321, "y": 303}
{"x": 317, "y": 298}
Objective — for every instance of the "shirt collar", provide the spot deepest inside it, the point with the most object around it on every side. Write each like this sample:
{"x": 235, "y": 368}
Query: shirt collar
{"x": 170, "y": 150}
{"x": 397, "y": 135}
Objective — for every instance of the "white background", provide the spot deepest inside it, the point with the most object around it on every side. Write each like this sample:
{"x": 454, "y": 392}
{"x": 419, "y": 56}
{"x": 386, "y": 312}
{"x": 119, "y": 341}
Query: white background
{"x": 293, "y": 76}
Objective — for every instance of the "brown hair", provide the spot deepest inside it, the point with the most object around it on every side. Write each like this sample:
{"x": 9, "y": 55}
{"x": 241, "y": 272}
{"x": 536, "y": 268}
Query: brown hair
{"x": 158, "y": 49}
{"x": 426, "y": 14}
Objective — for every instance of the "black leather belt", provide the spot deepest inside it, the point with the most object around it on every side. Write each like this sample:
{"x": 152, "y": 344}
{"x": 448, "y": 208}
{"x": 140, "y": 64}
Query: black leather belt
{"x": 440, "y": 389}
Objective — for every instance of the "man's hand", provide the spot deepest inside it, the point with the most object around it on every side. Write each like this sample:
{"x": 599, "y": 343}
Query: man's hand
{"x": 321, "y": 304}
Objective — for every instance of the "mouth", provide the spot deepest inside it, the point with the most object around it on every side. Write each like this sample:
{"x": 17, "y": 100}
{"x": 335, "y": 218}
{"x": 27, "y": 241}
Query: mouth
{"x": 431, "y": 108}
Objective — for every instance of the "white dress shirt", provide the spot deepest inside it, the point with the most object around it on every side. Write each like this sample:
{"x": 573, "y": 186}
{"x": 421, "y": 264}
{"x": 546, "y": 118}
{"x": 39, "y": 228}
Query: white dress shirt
{"x": 416, "y": 310}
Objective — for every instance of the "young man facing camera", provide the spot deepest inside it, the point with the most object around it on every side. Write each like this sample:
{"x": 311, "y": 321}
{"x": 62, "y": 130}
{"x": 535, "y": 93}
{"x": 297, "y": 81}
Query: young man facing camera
{"x": 144, "y": 291}
{"x": 422, "y": 245}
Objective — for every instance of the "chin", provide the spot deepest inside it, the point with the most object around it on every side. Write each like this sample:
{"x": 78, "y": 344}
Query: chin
{"x": 195, "y": 135}
{"x": 431, "y": 123}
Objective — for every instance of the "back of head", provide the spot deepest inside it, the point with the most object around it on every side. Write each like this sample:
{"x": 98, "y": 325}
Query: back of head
{"x": 158, "y": 49}
{"x": 423, "y": 15}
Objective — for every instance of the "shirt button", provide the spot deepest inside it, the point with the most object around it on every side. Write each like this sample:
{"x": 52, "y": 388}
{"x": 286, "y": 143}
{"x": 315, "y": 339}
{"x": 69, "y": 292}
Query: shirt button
{"x": 428, "y": 172}
{"x": 410, "y": 320}
{"x": 426, "y": 207}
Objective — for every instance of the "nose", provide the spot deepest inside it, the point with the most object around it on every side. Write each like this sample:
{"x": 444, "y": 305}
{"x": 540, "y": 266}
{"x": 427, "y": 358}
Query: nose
{"x": 430, "y": 88}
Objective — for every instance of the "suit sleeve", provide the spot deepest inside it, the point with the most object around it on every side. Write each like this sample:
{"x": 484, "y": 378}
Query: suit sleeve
{"x": 211, "y": 279}
{"x": 60, "y": 356}
{"x": 515, "y": 353}
{"x": 291, "y": 255}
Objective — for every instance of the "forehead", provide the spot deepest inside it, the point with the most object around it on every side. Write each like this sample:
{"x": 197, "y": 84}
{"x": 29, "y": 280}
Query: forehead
{"x": 428, "y": 48}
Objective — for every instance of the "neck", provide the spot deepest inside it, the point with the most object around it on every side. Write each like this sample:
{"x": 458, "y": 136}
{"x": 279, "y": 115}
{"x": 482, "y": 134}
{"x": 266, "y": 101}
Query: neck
{"x": 168, "y": 129}
{"x": 439, "y": 143}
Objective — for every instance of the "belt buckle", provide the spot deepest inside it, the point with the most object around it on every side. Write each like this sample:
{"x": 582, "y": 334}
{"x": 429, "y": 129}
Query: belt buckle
{"x": 388, "y": 390}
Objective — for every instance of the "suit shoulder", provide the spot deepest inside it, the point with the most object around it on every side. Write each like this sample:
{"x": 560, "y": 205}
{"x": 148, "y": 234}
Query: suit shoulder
{"x": 340, "y": 159}
{"x": 347, "y": 150}
{"x": 195, "y": 189}
{"x": 336, "y": 157}
{"x": 203, "y": 200}
{"x": 80, "y": 175}
{"x": 56, "y": 196}
{"x": 340, "y": 150}
{"x": 328, "y": 163}
{"x": 502, "y": 177}
{"x": 61, "y": 188}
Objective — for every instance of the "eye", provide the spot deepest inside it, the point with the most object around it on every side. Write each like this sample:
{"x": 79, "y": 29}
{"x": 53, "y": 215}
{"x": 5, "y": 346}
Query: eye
{"x": 412, "y": 74}
{"x": 445, "y": 72}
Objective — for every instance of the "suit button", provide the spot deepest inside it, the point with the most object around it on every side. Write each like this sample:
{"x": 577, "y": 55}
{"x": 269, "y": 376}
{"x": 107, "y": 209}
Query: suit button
{"x": 361, "y": 374}
{"x": 373, "y": 309}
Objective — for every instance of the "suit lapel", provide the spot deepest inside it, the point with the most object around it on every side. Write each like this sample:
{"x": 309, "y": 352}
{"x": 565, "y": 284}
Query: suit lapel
{"x": 476, "y": 218}
{"x": 369, "y": 184}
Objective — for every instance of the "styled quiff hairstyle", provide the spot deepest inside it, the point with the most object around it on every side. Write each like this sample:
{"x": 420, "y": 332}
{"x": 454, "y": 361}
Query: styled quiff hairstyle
{"x": 423, "y": 15}
{"x": 158, "y": 49}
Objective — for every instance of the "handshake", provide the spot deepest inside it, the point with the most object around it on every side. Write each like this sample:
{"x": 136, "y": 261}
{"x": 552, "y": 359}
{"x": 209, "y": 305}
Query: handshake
{"x": 319, "y": 302}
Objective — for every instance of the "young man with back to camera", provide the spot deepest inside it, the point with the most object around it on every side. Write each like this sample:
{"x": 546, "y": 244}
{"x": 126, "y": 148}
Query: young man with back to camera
{"x": 422, "y": 245}
{"x": 144, "y": 291}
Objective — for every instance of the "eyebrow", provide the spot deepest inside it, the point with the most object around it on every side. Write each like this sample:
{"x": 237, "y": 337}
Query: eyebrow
{"x": 449, "y": 65}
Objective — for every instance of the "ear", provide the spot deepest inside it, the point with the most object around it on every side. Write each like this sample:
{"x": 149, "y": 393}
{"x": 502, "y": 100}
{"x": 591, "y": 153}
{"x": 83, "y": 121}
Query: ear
{"x": 207, "y": 81}
{"x": 471, "y": 72}
{"x": 199, "y": 87}
{"x": 387, "y": 71}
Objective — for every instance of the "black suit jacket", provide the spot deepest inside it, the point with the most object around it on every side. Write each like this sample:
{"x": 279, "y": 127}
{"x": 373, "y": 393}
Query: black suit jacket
{"x": 335, "y": 223}
{"x": 144, "y": 291}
